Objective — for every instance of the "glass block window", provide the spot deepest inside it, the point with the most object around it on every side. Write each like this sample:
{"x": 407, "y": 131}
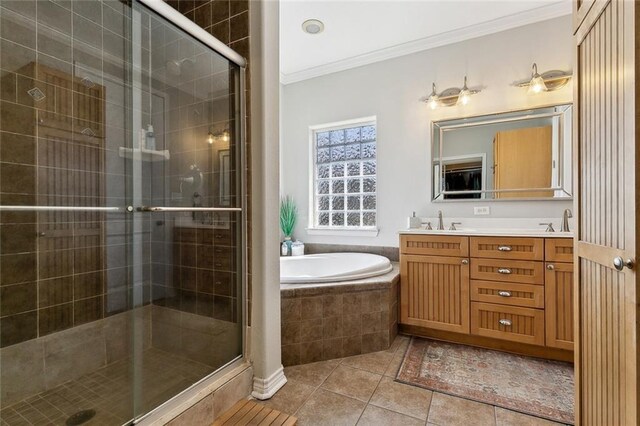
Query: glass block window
{"x": 345, "y": 176}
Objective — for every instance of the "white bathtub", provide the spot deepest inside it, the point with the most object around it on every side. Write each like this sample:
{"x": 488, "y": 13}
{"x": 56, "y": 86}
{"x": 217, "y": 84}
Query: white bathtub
{"x": 332, "y": 267}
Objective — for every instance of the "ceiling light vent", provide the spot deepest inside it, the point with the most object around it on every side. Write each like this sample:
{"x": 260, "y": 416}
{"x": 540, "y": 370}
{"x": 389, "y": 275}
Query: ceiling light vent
{"x": 312, "y": 26}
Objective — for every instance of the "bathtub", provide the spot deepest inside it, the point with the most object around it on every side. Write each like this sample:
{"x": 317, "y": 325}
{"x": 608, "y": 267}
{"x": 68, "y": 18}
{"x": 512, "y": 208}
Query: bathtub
{"x": 332, "y": 267}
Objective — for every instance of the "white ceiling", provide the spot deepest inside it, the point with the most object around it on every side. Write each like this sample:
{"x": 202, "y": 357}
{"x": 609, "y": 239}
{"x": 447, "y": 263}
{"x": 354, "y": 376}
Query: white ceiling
{"x": 360, "y": 32}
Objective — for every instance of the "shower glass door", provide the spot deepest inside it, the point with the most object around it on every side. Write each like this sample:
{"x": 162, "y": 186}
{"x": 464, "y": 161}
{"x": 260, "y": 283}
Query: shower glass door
{"x": 187, "y": 226}
{"x": 121, "y": 227}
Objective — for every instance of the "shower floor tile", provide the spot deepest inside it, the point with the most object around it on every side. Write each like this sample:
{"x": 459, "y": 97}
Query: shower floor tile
{"x": 108, "y": 391}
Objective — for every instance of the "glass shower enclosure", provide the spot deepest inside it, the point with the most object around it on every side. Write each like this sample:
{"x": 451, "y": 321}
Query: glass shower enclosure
{"x": 122, "y": 219}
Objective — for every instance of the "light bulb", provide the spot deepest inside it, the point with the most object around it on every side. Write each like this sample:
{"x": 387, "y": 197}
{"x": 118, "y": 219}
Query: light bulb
{"x": 464, "y": 97}
{"x": 433, "y": 98}
{"x": 210, "y": 138}
{"x": 225, "y": 136}
{"x": 537, "y": 84}
{"x": 465, "y": 93}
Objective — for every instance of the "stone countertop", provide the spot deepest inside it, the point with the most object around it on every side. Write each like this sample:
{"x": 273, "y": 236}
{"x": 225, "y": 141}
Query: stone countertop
{"x": 381, "y": 282}
{"x": 488, "y": 232}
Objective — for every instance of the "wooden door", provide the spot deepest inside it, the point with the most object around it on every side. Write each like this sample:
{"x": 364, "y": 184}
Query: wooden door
{"x": 558, "y": 290}
{"x": 606, "y": 200}
{"x": 434, "y": 292}
{"x": 522, "y": 160}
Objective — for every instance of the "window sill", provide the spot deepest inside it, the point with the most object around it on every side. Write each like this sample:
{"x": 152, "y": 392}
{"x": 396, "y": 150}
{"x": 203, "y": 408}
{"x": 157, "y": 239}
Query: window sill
{"x": 343, "y": 232}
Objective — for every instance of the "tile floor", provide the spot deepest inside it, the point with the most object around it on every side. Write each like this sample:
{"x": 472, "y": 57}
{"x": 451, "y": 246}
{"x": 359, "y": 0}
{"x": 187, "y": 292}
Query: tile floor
{"x": 361, "y": 390}
{"x": 108, "y": 391}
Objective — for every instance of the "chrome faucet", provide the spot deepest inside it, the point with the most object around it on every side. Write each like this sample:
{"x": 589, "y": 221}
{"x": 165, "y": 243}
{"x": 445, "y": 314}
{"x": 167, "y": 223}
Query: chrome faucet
{"x": 564, "y": 225}
{"x": 549, "y": 227}
{"x": 440, "y": 224}
{"x": 453, "y": 226}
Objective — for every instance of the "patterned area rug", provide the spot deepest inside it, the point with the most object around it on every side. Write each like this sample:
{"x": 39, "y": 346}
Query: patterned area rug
{"x": 532, "y": 386}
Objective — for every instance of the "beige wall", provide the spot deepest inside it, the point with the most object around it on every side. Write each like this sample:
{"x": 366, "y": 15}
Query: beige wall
{"x": 390, "y": 90}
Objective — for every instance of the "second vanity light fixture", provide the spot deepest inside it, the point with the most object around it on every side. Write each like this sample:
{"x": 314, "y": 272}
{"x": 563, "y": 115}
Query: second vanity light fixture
{"x": 545, "y": 82}
{"x": 449, "y": 97}
{"x": 220, "y": 136}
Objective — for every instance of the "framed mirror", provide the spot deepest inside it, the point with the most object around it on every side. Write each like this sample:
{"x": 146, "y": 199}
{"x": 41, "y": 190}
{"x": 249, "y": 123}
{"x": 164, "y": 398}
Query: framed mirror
{"x": 515, "y": 155}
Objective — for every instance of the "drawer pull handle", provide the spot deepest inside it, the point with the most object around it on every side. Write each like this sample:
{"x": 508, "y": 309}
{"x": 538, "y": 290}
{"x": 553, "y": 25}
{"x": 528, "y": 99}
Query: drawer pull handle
{"x": 505, "y": 322}
{"x": 505, "y": 271}
{"x": 465, "y": 261}
{"x": 551, "y": 267}
{"x": 503, "y": 293}
{"x": 505, "y": 248}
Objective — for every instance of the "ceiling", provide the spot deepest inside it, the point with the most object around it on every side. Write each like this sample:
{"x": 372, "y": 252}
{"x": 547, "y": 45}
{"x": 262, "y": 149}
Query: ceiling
{"x": 360, "y": 32}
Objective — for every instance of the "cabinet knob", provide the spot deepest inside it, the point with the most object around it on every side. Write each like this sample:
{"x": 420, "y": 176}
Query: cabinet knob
{"x": 504, "y": 248}
{"x": 505, "y": 322}
{"x": 505, "y": 271}
{"x": 465, "y": 261}
{"x": 503, "y": 293}
{"x": 551, "y": 267}
{"x": 619, "y": 263}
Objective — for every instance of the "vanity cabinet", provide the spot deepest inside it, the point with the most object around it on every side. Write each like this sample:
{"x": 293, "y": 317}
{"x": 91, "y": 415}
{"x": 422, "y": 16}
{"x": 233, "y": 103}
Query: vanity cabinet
{"x": 510, "y": 293}
{"x": 559, "y": 293}
{"x": 435, "y": 275}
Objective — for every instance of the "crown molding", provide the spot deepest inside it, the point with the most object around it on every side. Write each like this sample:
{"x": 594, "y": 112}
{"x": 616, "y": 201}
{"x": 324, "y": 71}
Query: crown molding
{"x": 543, "y": 13}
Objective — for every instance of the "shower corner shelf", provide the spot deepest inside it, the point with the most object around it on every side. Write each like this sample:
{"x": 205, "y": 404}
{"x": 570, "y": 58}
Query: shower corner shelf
{"x": 149, "y": 155}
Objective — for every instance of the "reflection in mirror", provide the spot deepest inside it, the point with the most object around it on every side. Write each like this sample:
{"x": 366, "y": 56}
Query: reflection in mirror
{"x": 512, "y": 155}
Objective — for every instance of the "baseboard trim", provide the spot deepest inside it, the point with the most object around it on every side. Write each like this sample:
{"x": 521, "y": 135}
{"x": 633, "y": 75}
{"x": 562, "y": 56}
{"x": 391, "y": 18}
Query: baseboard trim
{"x": 266, "y": 388}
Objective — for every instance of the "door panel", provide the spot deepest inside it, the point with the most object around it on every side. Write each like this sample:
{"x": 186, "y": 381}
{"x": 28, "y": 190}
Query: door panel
{"x": 605, "y": 298}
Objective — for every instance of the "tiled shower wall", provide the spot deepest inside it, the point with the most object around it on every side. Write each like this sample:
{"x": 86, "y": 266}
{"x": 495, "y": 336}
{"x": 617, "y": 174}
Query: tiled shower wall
{"x": 228, "y": 21}
{"x": 59, "y": 147}
{"x": 65, "y": 269}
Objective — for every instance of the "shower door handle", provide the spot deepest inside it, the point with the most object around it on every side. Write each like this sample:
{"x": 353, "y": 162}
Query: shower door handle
{"x": 188, "y": 209}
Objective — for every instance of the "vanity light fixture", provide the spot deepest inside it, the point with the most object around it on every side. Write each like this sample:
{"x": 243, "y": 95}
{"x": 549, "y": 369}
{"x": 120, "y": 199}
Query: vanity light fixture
{"x": 545, "y": 82}
{"x": 220, "y": 136}
{"x": 449, "y": 97}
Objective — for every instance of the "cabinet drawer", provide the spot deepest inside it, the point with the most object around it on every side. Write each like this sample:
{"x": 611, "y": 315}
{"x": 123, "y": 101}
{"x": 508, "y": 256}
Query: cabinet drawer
{"x": 525, "y": 295}
{"x": 558, "y": 249}
{"x": 513, "y": 323}
{"x": 515, "y": 271}
{"x": 507, "y": 248}
{"x": 434, "y": 245}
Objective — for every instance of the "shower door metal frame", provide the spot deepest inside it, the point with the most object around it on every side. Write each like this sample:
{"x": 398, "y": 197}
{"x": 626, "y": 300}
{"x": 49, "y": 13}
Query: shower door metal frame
{"x": 167, "y": 410}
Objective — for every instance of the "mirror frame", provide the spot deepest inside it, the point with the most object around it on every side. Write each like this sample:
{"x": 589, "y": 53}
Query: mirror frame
{"x": 438, "y": 128}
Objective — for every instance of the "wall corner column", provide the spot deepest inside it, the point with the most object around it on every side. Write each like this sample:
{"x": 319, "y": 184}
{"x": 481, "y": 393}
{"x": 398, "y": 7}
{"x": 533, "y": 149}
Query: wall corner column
{"x": 265, "y": 352}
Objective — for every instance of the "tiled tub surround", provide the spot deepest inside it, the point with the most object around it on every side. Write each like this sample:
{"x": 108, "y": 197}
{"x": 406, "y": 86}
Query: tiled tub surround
{"x": 328, "y": 321}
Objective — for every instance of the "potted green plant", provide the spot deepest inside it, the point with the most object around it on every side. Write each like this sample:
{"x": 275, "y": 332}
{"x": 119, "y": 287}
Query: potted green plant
{"x": 288, "y": 217}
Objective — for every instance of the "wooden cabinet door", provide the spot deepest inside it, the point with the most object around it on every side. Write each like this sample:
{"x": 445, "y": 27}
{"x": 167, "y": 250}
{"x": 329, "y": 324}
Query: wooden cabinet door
{"x": 559, "y": 305}
{"x": 434, "y": 292}
{"x": 606, "y": 200}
